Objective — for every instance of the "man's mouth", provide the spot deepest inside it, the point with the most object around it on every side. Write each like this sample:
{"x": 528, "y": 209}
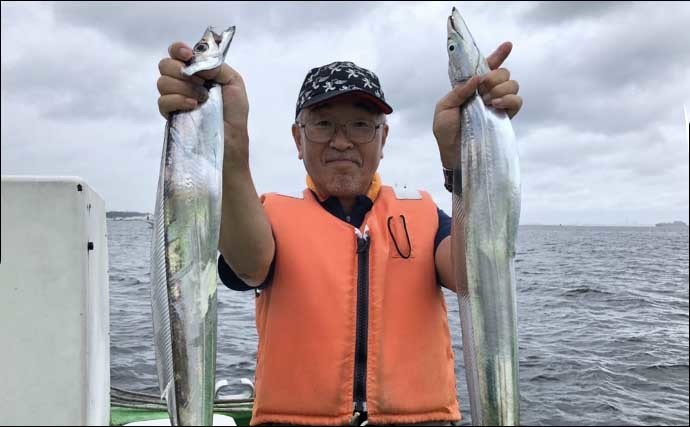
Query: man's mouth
{"x": 341, "y": 162}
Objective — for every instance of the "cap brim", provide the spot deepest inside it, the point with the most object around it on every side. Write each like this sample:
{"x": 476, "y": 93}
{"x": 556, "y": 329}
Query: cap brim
{"x": 381, "y": 105}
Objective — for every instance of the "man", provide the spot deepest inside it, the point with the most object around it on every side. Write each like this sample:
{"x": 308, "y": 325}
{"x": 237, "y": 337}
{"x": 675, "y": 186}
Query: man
{"x": 352, "y": 324}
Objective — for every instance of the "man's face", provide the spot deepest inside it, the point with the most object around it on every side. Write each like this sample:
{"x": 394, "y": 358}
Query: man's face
{"x": 341, "y": 167}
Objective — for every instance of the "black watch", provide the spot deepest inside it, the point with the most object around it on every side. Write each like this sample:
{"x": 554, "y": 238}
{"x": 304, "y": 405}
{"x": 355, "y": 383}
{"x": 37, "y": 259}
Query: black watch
{"x": 448, "y": 177}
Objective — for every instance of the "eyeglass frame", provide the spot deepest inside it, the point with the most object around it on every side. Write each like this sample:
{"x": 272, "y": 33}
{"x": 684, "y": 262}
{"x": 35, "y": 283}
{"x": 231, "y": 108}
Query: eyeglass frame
{"x": 335, "y": 132}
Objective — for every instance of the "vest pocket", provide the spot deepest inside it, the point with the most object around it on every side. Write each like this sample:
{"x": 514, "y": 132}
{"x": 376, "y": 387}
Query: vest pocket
{"x": 400, "y": 240}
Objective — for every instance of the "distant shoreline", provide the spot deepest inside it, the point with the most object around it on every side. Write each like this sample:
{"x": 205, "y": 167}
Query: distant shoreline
{"x": 677, "y": 225}
{"x": 125, "y": 214}
{"x": 674, "y": 224}
{"x": 606, "y": 225}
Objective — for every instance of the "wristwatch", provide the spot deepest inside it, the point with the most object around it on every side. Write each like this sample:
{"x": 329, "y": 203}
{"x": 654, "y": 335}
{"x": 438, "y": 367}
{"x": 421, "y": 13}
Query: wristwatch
{"x": 448, "y": 176}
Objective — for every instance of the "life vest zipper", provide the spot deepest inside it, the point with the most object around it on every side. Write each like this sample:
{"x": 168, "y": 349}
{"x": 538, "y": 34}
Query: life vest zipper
{"x": 360, "y": 380}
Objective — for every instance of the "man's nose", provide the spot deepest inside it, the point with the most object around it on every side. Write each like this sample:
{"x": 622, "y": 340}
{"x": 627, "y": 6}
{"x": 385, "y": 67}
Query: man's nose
{"x": 340, "y": 141}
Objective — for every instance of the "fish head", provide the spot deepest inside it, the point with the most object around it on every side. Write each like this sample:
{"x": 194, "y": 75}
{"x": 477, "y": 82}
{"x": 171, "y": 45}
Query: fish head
{"x": 210, "y": 51}
{"x": 464, "y": 58}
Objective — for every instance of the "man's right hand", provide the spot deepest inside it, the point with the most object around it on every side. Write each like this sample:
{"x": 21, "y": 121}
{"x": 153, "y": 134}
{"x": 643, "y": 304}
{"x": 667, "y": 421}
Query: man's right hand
{"x": 181, "y": 93}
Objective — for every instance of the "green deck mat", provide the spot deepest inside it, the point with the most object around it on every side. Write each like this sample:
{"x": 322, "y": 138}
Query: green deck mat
{"x": 121, "y": 416}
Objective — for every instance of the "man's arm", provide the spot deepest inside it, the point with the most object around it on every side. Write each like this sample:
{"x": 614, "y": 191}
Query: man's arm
{"x": 444, "y": 265}
{"x": 444, "y": 262}
{"x": 246, "y": 240}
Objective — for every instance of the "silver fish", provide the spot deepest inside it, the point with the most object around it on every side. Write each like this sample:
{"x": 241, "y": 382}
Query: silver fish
{"x": 486, "y": 212}
{"x": 185, "y": 244}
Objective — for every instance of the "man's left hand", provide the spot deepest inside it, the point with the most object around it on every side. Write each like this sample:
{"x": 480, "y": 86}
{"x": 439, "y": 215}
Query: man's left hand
{"x": 495, "y": 88}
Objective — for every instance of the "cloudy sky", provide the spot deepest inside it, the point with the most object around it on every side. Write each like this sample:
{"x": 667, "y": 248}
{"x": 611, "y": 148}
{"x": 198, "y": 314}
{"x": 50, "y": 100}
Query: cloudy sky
{"x": 602, "y": 134}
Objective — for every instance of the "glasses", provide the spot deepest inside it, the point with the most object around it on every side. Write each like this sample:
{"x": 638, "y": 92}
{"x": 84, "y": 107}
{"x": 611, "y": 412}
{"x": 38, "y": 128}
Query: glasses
{"x": 357, "y": 131}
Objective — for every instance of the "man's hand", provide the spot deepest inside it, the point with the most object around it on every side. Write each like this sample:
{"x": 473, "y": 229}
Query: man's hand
{"x": 495, "y": 88}
{"x": 181, "y": 93}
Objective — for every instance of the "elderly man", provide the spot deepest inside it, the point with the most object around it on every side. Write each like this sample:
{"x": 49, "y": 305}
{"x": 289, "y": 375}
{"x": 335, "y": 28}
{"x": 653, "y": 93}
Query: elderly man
{"x": 351, "y": 321}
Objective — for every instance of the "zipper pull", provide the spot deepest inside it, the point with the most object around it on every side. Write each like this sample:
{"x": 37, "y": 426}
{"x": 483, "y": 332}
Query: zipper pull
{"x": 362, "y": 239}
{"x": 359, "y": 419}
{"x": 361, "y": 235}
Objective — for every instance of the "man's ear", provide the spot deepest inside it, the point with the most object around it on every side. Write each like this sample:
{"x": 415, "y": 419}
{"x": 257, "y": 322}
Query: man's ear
{"x": 297, "y": 136}
{"x": 384, "y": 136}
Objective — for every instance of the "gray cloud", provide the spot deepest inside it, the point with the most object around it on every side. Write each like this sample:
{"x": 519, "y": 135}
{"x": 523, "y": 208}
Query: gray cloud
{"x": 594, "y": 105}
{"x": 617, "y": 78}
{"x": 92, "y": 68}
{"x": 153, "y": 25}
{"x": 599, "y": 134}
{"x": 74, "y": 74}
{"x": 605, "y": 78}
{"x": 558, "y": 12}
{"x": 66, "y": 93}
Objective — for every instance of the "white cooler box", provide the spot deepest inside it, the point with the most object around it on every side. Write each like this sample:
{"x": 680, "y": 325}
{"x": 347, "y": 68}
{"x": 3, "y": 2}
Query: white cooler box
{"x": 54, "y": 307}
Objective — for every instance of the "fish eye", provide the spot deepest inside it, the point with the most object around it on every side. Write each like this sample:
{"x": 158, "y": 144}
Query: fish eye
{"x": 451, "y": 47}
{"x": 201, "y": 47}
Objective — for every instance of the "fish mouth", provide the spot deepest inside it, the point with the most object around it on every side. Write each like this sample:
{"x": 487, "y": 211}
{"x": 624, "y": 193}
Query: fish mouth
{"x": 218, "y": 38}
{"x": 452, "y": 26}
{"x": 223, "y": 39}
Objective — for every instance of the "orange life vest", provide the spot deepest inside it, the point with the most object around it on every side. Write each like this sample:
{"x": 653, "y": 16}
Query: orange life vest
{"x": 308, "y": 326}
